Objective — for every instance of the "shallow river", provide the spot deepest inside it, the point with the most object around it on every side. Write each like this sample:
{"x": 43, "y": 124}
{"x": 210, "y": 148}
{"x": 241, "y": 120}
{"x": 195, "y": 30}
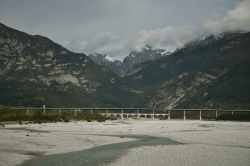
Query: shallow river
{"x": 98, "y": 155}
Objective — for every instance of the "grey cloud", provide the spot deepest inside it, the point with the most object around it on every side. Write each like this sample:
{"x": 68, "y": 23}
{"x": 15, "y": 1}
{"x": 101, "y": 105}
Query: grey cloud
{"x": 97, "y": 43}
{"x": 104, "y": 42}
{"x": 167, "y": 37}
{"x": 114, "y": 26}
{"x": 101, "y": 40}
{"x": 237, "y": 19}
{"x": 76, "y": 46}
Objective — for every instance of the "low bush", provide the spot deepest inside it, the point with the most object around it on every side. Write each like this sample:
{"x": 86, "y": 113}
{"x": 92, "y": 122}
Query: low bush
{"x": 2, "y": 125}
{"x": 38, "y": 116}
{"x": 234, "y": 117}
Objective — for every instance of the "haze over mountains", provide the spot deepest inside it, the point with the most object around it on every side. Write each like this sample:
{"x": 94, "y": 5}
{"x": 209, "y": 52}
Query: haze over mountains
{"x": 211, "y": 72}
{"x": 146, "y": 54}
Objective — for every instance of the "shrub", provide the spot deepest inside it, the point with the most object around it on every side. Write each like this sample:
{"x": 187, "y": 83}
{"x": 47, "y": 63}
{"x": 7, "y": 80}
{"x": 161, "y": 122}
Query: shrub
{"x": 2, "y": 125}
{"x": 236, "y": 116}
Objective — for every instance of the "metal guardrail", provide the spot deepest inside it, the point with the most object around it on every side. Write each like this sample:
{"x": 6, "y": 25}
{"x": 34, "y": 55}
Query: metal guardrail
{"x": 126, "y": 112}
{"x": 118, "y": 108}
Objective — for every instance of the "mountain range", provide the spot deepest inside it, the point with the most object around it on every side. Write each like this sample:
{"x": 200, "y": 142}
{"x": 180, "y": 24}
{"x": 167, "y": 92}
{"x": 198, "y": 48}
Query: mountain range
{"x": 35, "y": 71}
{"x": 206, "y": 73}
{"x": 211, "y": 72}
{"x": 121, "y": 68}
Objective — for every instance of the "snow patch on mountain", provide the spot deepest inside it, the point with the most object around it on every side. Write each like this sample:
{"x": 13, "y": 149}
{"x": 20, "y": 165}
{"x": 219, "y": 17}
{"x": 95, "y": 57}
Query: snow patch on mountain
{"x": 111, "y": 59}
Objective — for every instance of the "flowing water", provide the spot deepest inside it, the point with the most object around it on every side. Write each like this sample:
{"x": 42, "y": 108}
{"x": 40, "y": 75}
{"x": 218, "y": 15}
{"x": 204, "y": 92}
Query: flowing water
{"x": 98, "y": 155}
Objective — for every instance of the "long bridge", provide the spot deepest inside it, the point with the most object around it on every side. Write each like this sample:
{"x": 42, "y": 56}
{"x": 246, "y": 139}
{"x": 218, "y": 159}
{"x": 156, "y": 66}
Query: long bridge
{"x": 135, "y": 113}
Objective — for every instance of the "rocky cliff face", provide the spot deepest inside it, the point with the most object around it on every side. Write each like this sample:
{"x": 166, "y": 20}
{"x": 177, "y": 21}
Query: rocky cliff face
{"x": 146, "y": 54}
{"x": 107, "y": 61}
{"x": 34, "y": 70}
{"x": 214, "y": 72}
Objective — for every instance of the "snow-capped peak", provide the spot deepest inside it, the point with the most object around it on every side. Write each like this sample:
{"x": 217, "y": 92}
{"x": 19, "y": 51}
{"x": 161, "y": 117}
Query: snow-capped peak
{"x": 165, "y": 52}
{"x": 95, "y": 55}
{"x": 147, "y": 47}
{"x": 109, "y": 58}
{"x": 104, "y": 57}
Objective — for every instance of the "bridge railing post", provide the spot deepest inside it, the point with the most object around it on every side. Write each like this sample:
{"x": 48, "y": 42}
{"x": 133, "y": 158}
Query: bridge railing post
{"x": 107, "y": 113}
{"x": 184, "y": 115}
{"x": 200, "y": 114}
{"x": 44, "y": 109}
{"x": 122, "y": 114}
{"x": 153, "y": 113}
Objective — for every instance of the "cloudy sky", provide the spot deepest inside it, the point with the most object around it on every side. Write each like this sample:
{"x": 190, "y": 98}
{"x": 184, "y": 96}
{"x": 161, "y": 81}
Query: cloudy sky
{"x": 116, "y": 27}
